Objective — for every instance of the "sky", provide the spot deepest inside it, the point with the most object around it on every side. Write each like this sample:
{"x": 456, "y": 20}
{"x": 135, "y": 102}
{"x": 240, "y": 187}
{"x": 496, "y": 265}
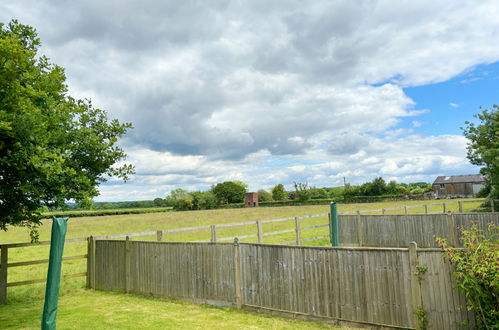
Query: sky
{"x": 271, "y": 92}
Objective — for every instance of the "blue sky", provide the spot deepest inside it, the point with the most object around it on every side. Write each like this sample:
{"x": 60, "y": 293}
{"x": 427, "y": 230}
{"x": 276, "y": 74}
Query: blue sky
{"x": 455, "y": 101}
{"x": 276, "y": 92}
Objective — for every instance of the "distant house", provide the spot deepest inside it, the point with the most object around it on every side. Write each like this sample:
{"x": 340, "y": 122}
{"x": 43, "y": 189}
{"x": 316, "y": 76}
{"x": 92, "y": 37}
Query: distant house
{"x": 454, "y": 186}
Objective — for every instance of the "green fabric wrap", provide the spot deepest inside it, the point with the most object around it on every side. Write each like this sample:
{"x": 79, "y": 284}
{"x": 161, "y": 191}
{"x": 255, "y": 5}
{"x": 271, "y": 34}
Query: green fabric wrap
{"x": 59, "y": 226}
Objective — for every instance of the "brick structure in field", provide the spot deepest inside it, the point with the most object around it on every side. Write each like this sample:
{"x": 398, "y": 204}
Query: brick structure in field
{"x": 251, "y": 199}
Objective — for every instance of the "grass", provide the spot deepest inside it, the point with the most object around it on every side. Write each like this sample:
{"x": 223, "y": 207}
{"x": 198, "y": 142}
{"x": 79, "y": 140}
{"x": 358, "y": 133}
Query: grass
{"x": 130, "y": 223}
{"x": 86, "y": 309}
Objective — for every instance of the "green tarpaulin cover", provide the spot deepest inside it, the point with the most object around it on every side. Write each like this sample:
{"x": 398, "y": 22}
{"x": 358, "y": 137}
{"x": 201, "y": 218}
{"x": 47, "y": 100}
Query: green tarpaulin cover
{"x": 58, "y": 236}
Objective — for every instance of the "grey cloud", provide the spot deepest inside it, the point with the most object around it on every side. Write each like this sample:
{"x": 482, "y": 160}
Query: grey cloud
{"x": 348, "y": 144}
{"x": 228, "y": 79}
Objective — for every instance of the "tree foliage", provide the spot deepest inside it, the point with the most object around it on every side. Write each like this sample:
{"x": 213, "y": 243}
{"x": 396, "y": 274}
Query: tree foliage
{"x": 53, "y": 148}
{"x": 279, "y": 193}
{"x": 229, "y": 192}
{"x": 302, "y": 191}
{"x": 483, "y": 146}
{"x": 264, "y": 196}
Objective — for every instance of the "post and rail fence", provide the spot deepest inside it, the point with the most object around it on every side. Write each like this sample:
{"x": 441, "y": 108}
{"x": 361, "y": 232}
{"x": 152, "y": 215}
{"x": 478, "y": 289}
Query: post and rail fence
{"x": 355, "y": 230}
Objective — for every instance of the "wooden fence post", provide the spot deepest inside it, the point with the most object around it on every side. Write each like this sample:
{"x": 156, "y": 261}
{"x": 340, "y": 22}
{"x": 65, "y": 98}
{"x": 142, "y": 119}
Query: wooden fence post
{"x": 91, "y": 263}
{"x": 460, "y": 206}
{"x": 426, "y": 208}
{"x": 213, "y": 233}
{"x": 127, "y": 264}
{"x": 298, "y": 231}
{"x": 4, "y": 258}
{"x": 260, "y": 231}
{"x": 159, "y": 235}
{"x": 383, "y": 211}
{"x": 360, "y": 232}
{"x": 492, "y": 206}
{"x": 444, "y": 206}
{"x": 452, "y": 230}
{"x": 333, "y": 225}
{"x": 237, "y": 274}
{"x": 416, "y": 297}
{"x": 406, "y": 210}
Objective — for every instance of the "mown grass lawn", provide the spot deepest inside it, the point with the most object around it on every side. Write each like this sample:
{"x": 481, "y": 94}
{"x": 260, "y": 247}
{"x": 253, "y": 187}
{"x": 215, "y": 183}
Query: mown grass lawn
{"x": 86, "y": 309}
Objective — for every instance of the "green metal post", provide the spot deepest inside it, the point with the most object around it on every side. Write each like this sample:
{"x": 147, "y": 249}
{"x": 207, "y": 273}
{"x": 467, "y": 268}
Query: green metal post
{"x": 54, "y": 273}
{"x": 333, "y": 225}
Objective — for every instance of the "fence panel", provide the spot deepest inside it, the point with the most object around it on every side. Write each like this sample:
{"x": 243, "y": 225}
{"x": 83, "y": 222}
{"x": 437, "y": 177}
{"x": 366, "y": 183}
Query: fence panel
{"x": 445, "y": 307}
{"x": 375, "y": 286}
{"x": 201, "y": 273}
{"x": 109, "y": 265}
{"x": 359, "y": 285}
{"x": 400, "y": 230}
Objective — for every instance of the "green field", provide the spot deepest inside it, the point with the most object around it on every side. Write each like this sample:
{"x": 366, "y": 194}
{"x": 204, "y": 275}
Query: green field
{"x": 131, "y": 223}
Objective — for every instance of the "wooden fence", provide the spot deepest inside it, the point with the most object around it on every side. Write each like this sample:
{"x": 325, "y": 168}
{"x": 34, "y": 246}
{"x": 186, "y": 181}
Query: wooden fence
{"x": 400, "y": 230}
{"x": 373, "y": 286}
{"x": 355, "y": 230}
{"x": 5, "y": 265}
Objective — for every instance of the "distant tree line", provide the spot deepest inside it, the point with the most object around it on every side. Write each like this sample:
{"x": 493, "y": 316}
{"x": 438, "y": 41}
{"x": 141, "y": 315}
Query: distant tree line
{"x": 231, "y": 193}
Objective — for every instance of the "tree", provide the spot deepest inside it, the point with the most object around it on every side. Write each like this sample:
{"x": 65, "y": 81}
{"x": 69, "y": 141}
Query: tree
{"x": 229, "y": 192}
{"x": 278, "y": 192}
{"x": 302, "y": 191}
{"x": 159, "y": 202}
{"x": 53, "y": 148}
{"x": 483, "y": 146}
{"x": 203, "y": 200}
{"x": 180, "y": 199}
{"x": 264, "y": 196}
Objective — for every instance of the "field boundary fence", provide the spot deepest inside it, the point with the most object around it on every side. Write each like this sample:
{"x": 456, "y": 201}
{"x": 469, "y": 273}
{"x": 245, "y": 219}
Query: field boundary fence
{"x": 381, "y": 287}
{"x": 347, "y": 234}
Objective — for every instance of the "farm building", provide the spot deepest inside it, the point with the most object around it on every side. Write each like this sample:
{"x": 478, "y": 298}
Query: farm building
{"x": 251, "y": 199}
{"x": 454, "y": 186}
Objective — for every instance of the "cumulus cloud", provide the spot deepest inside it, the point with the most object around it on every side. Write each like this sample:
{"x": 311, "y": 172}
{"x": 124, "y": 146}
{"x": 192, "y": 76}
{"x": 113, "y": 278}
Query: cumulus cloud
{"x": 216, "y": 88}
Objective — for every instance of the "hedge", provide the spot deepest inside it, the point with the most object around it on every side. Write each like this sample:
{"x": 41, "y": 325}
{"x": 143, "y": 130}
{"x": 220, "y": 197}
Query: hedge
{"x": 94, "y": 213}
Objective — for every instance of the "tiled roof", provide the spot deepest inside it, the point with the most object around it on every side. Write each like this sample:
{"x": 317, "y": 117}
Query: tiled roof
{"x": 468, "y": 178}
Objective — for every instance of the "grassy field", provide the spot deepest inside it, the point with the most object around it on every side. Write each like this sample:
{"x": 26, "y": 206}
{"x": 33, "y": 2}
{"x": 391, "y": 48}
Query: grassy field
{"x": 120, "y": 224}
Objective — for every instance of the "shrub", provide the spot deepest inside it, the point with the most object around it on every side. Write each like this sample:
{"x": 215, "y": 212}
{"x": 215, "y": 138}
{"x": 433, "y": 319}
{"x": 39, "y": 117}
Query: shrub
{"x": 477, "y": 272}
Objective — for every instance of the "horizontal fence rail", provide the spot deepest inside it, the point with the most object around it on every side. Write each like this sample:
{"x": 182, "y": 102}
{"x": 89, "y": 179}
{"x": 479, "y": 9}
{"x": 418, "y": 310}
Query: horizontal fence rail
{"x": 373, "y": 286}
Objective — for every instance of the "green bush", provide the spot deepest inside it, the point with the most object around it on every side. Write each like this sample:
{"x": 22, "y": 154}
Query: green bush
{"x": 477, "y": 272}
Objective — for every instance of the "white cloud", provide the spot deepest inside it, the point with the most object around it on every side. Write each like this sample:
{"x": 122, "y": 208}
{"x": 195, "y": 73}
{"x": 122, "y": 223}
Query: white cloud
{"x": 216, "y": 89}
{"x": 454, "y": 105}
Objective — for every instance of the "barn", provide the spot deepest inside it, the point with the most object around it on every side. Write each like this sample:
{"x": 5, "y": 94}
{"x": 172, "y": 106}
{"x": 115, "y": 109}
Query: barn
{"x": 454, "y": 186}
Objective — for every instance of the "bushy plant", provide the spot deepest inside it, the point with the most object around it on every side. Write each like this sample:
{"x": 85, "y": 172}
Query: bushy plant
{"x": 477, "y": 272}
{"x": 264, "y": 196}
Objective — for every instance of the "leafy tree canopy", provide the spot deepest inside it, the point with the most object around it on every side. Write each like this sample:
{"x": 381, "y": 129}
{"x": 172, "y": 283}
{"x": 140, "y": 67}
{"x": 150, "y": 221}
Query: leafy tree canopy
{"x": 53, "y": 148}
{"x": 303, "y": 191}
{"x": 264, "y": 196}
{"x": 483, "y": 145}
{"x": 279, "y": 193}
{"x": 229, "y": 192}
